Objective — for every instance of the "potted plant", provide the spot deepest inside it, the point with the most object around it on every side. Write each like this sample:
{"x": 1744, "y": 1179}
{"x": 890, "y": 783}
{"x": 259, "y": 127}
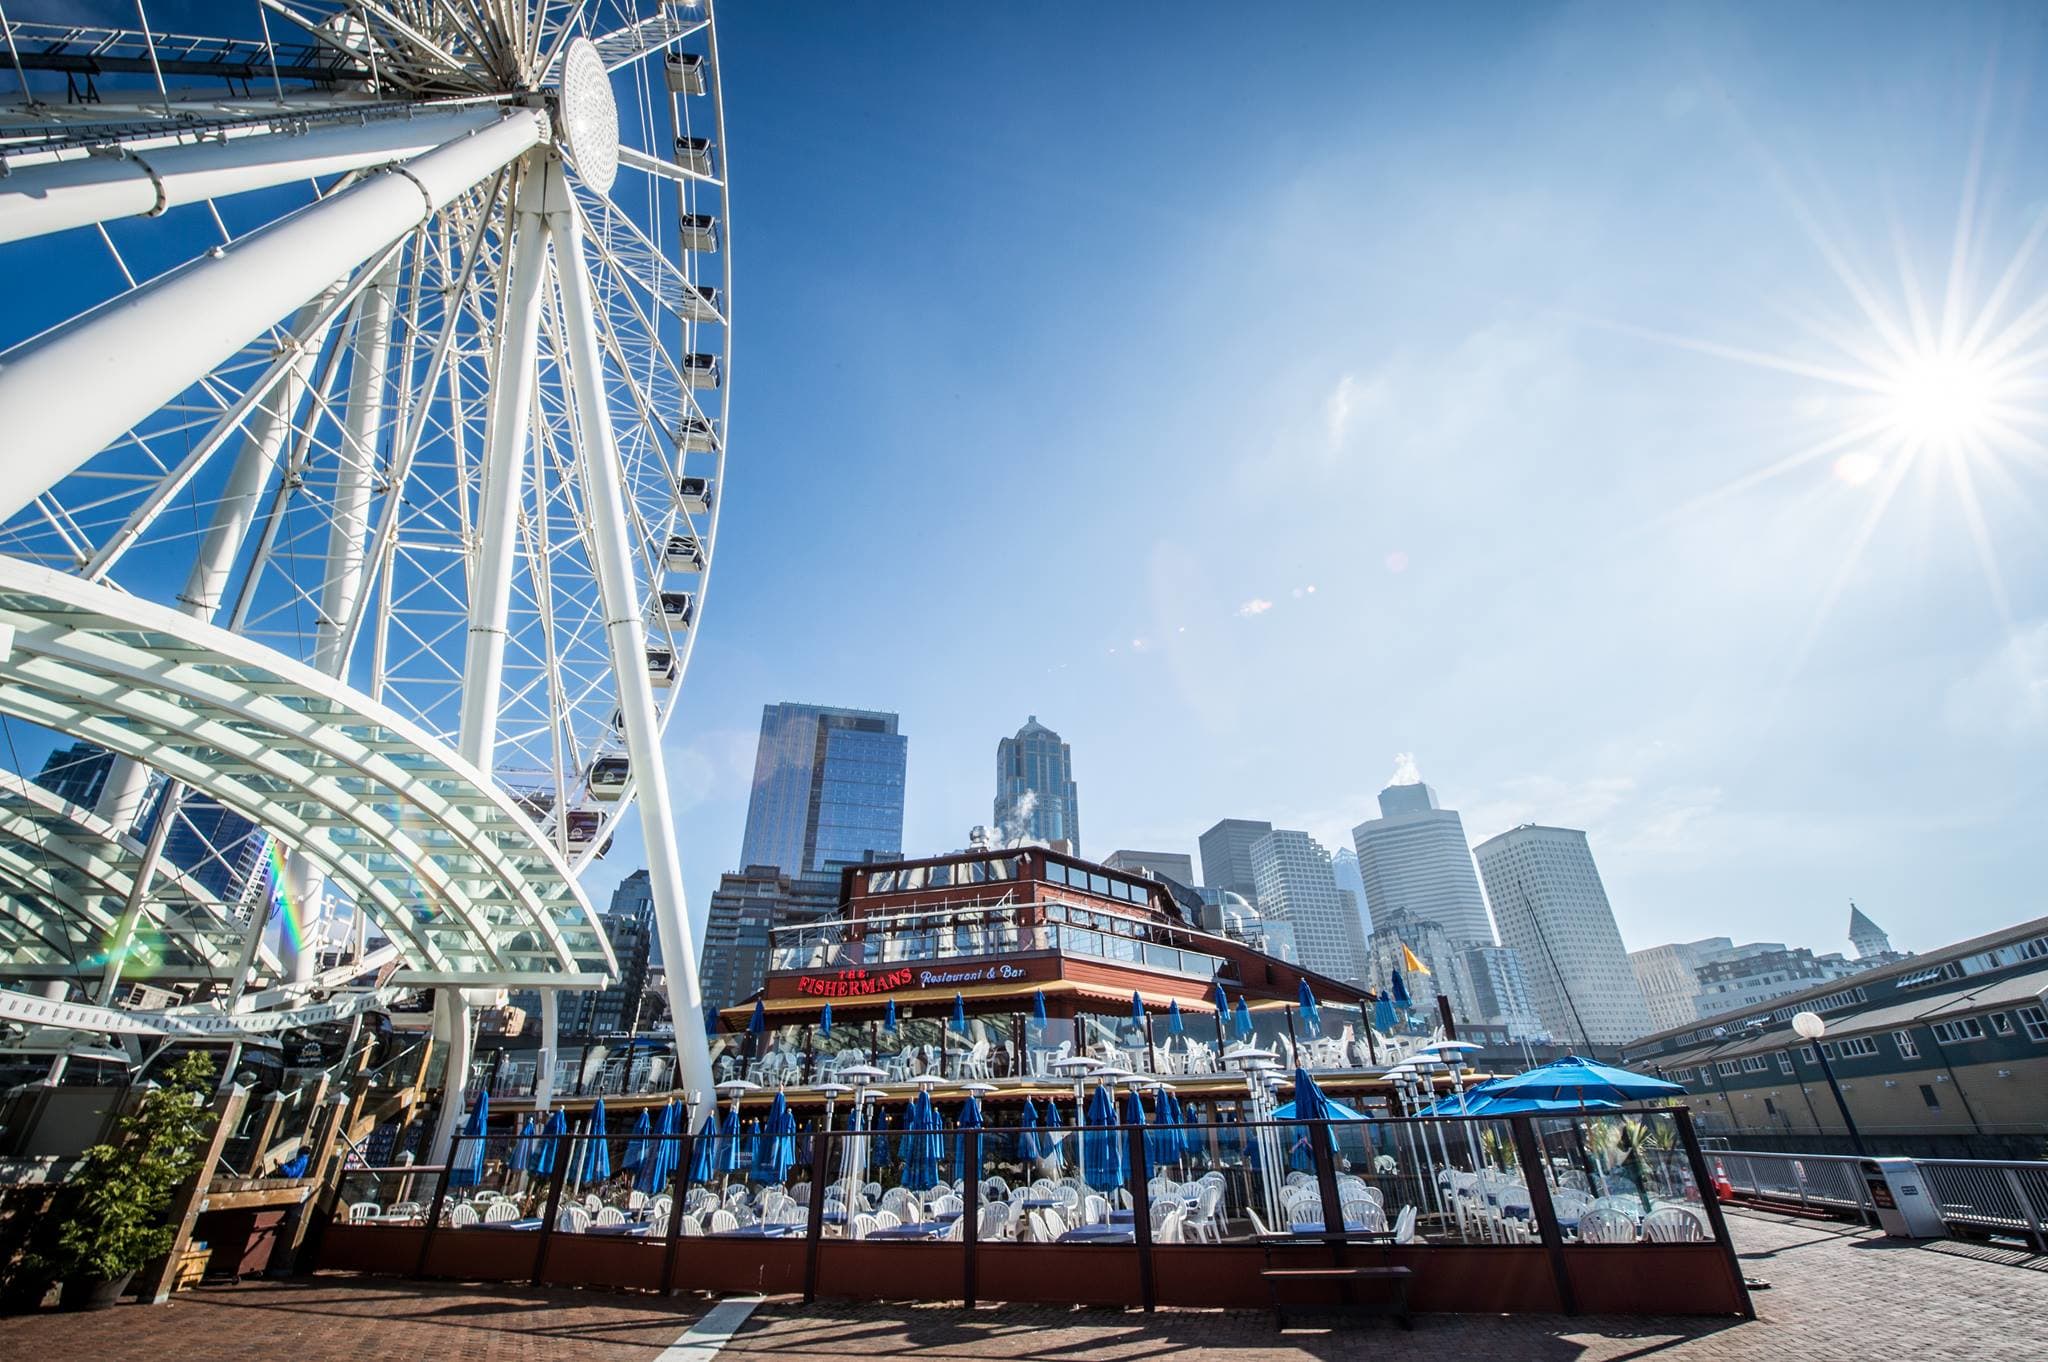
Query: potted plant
{"x": 120, "y": 1194}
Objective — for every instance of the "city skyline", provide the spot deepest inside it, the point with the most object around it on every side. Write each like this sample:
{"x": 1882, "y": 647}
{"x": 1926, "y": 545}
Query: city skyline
{"x": 1504, "y": 435}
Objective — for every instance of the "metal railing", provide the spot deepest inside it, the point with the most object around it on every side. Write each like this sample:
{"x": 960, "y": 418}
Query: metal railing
{"x": 1815, "y": 1181}
{"x": 1991, "y": 1196}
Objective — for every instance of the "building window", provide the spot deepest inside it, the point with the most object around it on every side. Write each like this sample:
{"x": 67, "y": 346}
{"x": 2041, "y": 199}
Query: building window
{"x": 1927, "y": 1096}
{"x": 1856, "y": 1047}
{"x": 2001, "y": 1024}
{"x": 1729, "y": 1067}
{"x": 1753, "y": 1064}
{"x": 1962, "y": 1029}
{"x": 1907, "y": 1049}
{"x": 2036, "y": 1021}
{"x": 1785, "y": 1061}
{"x": 1806, "y": 1053}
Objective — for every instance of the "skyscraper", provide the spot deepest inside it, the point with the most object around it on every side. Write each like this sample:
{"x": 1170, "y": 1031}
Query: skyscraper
{"x": 76, "y": 774}
{"x": 1554, "y": 912}
{"x": 1414, "y": 857}
{"x": 1666, "y": 974}
{"x": 1036, "y": 799}
{"x": 739, "y": 937}
{"x": 617, "y": 1007}
{"x": 828, "y": 790}
{"x": 1227, "y": 856}
{"x": 1867, "y": 937}
{"x": 1295, "y": 886}
{"x": 1177, "y": 866}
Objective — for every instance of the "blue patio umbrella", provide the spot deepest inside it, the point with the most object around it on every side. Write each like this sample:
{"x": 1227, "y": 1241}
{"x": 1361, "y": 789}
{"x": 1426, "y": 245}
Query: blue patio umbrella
{"x": 468, "y": 1169}
{"x": 1134, "y": 1115}
{"x": 1495, "y": 1104}
{"x": 922, "y": 1145}
{"x": 1102, "y": 1148}
{"x": 704, "y": 1151}
{"x": 600, "y": 1163}
{"x": 545, "y": 1145}
{"x": 1400, "y": 987}
{"x": 658, "y": 1162}
{"x": 1186, "y": 1143}
{"x": 1241, "y": 1018}
{"x": 1310, "y": 1104}
{"x": 728, "y": 1144}
{"x": 758, "y": 1023}
{"x": 636, "y": 1148}
{"x": 959, "y": 1014}
{"x": 1222, "y": 1000}
{"x": 970, "y": 1119}
{"x": 1049, "y": 1144}
{"x": 889, "y": 1018}
{"x": 1577, "y": 1080}
{"x": 1310, "y": 1013}
{"x": 1338, "y": 1111}
{"x": 1137, "y": 1010}
{"x": 1038, "y": 1006}
{"x": 1162, "y": 1145}
{"x": 775, "y": 1146}
{"x": 1174, "y": 1025}
{"x": 1027, "y": 1133}
{"x": 825, "y": 1022}
{"x": 522, "y": 1148}
{"x": 1383, "y": 1012}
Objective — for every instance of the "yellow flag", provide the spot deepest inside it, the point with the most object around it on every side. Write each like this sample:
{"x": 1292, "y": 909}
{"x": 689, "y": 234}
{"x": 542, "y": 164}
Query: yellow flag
{"x": 1413, "y": 964}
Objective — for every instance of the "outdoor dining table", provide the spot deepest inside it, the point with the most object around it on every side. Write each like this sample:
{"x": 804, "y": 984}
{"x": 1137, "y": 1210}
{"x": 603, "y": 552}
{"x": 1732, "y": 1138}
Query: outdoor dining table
{"x": 1040, "y": 1203}
{"x": 1353, "y": 1229}
{"x": 530, "y": 1224}
{"x": 622, "y": 1228}
{"x": 929, "y": 1229}
{"x": 1096, "y": 1234}
{"x": 769, "y": 1230}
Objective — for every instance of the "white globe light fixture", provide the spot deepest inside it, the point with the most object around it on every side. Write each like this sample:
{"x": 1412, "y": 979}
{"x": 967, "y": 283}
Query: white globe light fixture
{"x": 1809, "y": 1025}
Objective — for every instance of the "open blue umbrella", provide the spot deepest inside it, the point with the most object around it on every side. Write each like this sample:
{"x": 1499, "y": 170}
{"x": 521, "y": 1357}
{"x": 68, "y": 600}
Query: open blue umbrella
{"x": 1174, "y": 1025}
{"x": 1577, "y": 1080}
{"x": 1400, "y": 987}
{"x": 545, "y": 1146}
{"x": 1310, "y": 1013}
{"x": 1134, "y": 1115}
{"x": 1027, "y": 1133}
{"x": 1038, "y": 1006}
{"x": 1242, "y": 1019}
{"x": 1049, "y": 1144}
{"x": 825, "y": 1023}
{"x": 468, "y": 1168}
{"x": 1102, "y": 1151}
{"x": 889, "y": 1018}
{"x": 959, "y": 1014}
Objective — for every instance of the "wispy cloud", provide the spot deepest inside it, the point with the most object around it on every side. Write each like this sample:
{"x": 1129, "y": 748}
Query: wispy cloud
{"x": 2006, "y": 694}
{"x": 1254, "y": 606}
{"x": 1337, "y": 409}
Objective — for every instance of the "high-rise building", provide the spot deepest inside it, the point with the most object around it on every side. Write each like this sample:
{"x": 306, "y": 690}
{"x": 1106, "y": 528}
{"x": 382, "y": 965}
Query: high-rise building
{"x": 1227, "y": 856}
{"x": 1292, "y": 871}
{"x": 1868, "y": 938}
{"x": 215, "y": 845}
{"x": 828, "y": 790}
{"x": 76, "y": 774}
{"x": 1667, "y": 975}
{"x": 1500, "y": 992}
{"x": 1414, "y": 857}
{"x": 1036, "y": 798}
{"x": 618, "y": 1007}
{"x": 1553, "y": 911}
{"x": 1484, "y": 984}
{"x": 738, "y": 933}
{"x": 1177, "y": 866}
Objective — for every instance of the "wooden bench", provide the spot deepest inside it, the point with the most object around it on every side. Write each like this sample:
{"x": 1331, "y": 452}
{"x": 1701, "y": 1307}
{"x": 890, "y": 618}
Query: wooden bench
{"x": 1396, "y": 1277}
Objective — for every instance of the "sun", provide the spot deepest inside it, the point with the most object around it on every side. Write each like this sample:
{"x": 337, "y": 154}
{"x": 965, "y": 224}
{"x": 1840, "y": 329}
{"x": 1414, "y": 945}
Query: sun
{"x": 1945, "y": 401}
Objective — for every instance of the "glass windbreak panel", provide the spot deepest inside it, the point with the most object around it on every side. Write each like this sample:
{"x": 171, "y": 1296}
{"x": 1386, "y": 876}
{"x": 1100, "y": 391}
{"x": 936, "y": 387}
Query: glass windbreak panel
{"x": 384, "y": 1197}
{"x": 939, "y": 876}
{"x": 1621, "y": 1178}
{"x": 913, "y": 878}
{"x": 882, "y": 882}
{"x": 1003, "y": 869}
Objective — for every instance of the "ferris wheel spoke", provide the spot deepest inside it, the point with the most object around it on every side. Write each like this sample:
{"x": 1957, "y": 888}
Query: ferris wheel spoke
{"x": 56, "y": 399}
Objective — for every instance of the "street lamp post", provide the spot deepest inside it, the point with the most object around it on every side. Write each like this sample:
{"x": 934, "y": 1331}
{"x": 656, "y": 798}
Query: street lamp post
{"x": 1811, "y": 1028}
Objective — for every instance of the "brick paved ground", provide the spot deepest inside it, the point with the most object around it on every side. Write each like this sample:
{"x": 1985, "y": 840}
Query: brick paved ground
{"x": 1837, "y": 1293}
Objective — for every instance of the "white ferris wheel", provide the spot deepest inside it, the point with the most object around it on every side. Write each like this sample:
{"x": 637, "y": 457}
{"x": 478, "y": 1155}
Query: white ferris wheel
{"x": 362, "y": 422}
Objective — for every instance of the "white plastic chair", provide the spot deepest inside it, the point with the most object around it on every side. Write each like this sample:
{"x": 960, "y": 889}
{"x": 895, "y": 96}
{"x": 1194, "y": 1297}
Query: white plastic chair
{"x": 572, "y": 1220}
{"x": 1404, "y": 1226}
{"x": 689, "y": 1228}
{"x": 1605, "y": 1225}
{"x": 1170, "y": 1227}
{"x": 861, "y": 1226}
{"x": 1094, "y": 1211}
{"x": 723, "y": 1220}
{"x": 1204, "y": 1221}
{"x": 463, "y": 1214}
{"x": 500, "y": 1211}
{"x": 1672, "y": 1225}
{"x": 360, "y": 1212}
{"x": 609, "y": 1215}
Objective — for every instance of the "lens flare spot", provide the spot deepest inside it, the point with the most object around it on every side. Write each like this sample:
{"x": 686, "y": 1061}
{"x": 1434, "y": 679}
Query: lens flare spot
{"x": 1857, "y": 467}
{"x": 1942, "y": 399}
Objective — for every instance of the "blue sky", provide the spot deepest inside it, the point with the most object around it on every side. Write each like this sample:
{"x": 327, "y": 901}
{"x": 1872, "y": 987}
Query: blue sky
{"x": 1256, "y": 393}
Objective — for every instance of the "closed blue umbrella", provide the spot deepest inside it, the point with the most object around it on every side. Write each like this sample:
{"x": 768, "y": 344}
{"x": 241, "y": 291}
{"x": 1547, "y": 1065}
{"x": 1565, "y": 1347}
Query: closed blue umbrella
{"x": 1242, "y": 1019}
{"x": 522, "y": 1148}
{"x": 758, "y": 1023}
{"x": 636, "y": 1148}
{"x": 1383, "y": 1012}
{"x": 1049, "y": 1144}
{"x": 1184, "y": 1142}
{"x": 1027, "y": 1134}
{"x": 959, "y": 1014}
{"x": 1310, "y": 1013}
{"x": 1222, "y": 1000}
{"x": 728, "y": 1150}
{"x": 970, "y": 1119}
{"x": 1310, "y": 1104}
{"x": 1101, "y": 1149}
{"x": 1174, "y": 1025}
{"x": 889, "y": 1018}
{"x": 545, "y": 1147}
{"x": 1164, "y": 1144}
{"x": 825, "y": 1022}
{"x": 468, "y": 1168}
{"x": 1400, "y": 986}
{"x": 775, "y": 1147}
{"x": 1038, "y": 1006}
{"x": 658, "y": 1163}
{"x": 600, "y": 1147}
{"x": 1137, "y": 1010}
{"x": 1134, "y": 1115}
{"x": 922, "y": 1145}
{"x": 704, "y": 1150}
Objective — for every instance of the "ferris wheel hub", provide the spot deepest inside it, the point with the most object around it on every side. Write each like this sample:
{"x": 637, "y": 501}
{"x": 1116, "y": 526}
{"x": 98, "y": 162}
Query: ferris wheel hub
{"x": 589, "y": 116}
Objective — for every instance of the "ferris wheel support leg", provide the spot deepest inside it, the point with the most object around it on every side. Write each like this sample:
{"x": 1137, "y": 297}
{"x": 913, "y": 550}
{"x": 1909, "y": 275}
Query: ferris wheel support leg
{"x": 504, "y": 467}
{"x": 612, "y": 558}
{"x": 544, "y": 1062}
{"x": 356, "y": 470}
{"x": 66, "y": 394}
